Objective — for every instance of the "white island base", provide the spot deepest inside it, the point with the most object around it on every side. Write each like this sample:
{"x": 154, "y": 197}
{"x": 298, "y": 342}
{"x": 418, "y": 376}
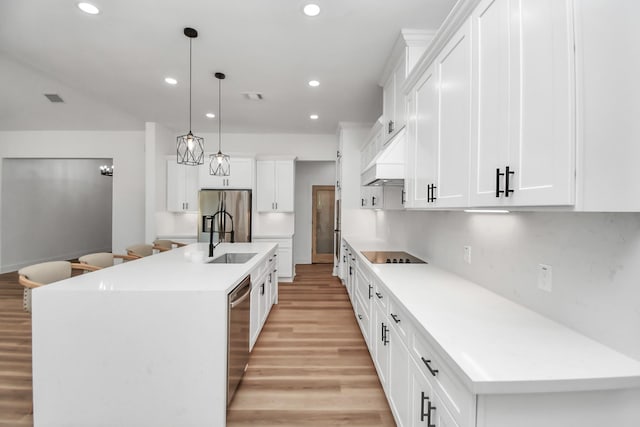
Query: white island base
{"x": 138, "y": 344}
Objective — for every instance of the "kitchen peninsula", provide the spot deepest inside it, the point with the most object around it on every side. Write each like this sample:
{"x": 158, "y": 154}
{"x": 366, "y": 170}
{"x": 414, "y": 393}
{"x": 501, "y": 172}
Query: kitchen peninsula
{"x": 142, "y": 343}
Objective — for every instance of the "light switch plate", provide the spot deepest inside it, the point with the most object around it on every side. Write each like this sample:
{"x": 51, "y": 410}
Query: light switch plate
{"x": 467, "y": 254}
{"x": 545, "y": 276}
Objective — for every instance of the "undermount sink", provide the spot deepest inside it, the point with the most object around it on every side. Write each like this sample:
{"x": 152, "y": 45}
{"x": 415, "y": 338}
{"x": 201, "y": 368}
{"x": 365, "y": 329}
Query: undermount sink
{"x": 233, "y": 258}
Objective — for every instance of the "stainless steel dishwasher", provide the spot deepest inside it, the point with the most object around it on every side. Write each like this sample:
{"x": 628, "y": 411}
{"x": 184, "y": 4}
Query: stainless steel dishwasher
{"x": 238, "y": 318}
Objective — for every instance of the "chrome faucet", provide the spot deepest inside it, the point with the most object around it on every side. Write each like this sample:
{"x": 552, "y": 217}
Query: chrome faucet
{"x": 224, "y": 230}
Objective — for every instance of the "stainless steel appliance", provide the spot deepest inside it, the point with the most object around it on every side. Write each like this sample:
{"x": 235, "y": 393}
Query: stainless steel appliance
{"x": 237, "y": 203}
{"x": 389, "y": 257}
{"x": 238, "y": 318}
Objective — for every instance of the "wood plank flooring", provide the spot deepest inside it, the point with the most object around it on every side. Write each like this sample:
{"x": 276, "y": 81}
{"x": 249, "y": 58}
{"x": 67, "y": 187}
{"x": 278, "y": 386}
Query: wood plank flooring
{"x": 310, "y": 366}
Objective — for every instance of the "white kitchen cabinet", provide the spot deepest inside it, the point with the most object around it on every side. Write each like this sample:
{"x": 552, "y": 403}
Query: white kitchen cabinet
{"x": 523, "y": 142}
{"x": 424, "y": 405}
{"x": 240, "y": 175}
{"x": 398, "y": 378}
{"x": 284, "y": 256}
{"x": 422, "y": 136}
{"x": 372, "y": 197}
{"x": 380, "y": 336}
{"x": 393, "y": 103}
{"x": 438, "y": 129}
{"x": 262, "y": 296}
{"x": 182, "y": 187}
{"x": 275, "y": 185}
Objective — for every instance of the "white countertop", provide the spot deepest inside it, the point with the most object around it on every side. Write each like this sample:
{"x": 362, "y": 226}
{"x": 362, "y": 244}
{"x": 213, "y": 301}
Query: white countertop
{"x": 497, "y": 345}
{"x": 180, "y": 269}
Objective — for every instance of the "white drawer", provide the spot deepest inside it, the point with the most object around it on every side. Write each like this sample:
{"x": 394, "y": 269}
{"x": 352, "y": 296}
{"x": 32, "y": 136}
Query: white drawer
{"x": 363, "y": 315}
{"x": 455, "y": 396}
{"x": 380, "y": 294}
{"x": 399, "y": 319}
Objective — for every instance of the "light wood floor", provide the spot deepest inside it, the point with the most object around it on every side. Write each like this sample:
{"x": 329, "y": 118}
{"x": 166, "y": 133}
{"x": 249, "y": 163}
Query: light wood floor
{"x": 310, "y": 366}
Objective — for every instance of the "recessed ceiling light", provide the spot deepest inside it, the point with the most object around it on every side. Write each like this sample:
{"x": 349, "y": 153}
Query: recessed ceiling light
{"x": 313, "y": 117}
{"x": 171, "y": 80}
{"x": 210, "y": 115}
{"x": 314, "y": 83}
{"x": 88, "y": 8}
{"x": 311, "y": 9}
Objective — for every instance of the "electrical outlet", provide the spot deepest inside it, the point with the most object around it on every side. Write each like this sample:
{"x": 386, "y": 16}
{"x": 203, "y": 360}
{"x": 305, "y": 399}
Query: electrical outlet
{"x": 545, "y": 277}
{"x": 467, "y": 254}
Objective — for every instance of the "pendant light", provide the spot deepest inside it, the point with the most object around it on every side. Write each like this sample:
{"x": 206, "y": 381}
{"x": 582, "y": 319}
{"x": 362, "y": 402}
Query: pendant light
{"x": 219, "y": 164}
{"x": 190, "y": 148}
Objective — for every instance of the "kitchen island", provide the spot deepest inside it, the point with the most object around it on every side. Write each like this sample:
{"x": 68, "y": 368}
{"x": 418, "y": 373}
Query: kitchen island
{"x": 142, "y": 343}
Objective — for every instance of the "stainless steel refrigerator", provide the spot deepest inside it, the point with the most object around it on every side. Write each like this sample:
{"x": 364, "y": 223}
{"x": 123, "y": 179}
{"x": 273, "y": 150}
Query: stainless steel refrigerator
{"x": 236, "y": 225}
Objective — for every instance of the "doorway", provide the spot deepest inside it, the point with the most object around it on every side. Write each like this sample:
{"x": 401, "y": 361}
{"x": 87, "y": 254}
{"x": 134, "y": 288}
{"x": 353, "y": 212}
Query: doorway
{"x": 322, "y": 214}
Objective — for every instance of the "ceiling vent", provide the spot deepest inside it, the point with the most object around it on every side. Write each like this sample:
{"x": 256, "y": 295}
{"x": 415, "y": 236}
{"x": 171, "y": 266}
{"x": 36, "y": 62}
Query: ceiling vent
{"x": 252, "y": 96}
{"x": 53, "y": 97}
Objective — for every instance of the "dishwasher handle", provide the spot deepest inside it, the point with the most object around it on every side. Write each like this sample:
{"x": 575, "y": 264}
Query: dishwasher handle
{"x": 238, "y": 301}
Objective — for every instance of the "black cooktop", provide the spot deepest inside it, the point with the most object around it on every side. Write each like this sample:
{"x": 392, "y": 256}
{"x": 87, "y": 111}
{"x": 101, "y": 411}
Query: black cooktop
{"x": 390, "y": 257}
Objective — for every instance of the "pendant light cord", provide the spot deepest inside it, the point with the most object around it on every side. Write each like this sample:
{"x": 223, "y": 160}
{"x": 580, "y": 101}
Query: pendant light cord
{"x": 219, "y": 115}
{"x": 190, "y": 40}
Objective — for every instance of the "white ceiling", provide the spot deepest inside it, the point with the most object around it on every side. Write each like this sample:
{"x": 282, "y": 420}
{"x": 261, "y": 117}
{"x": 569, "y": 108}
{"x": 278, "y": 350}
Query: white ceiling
{"x": 110, "y": 68}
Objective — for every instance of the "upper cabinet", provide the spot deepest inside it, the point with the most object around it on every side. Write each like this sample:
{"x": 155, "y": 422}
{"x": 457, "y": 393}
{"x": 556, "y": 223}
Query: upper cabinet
{"x": 240, "y": 176}
{"x": 182, "y": 187}
{"x": 275, "y": 185}
{"x": 523, "y": 150}
{"x": 408, "y": 48}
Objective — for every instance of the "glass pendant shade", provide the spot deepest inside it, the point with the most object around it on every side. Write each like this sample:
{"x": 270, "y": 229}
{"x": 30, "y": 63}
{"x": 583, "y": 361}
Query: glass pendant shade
{"x": 219, "y": 164}
{"x": 190, "y": 149}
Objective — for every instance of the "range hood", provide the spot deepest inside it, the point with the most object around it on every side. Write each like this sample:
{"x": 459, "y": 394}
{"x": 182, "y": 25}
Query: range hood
{"x": 387, "y": 168}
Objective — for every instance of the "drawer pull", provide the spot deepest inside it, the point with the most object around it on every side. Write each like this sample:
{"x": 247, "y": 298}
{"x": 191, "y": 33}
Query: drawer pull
{"x": 385, "y": 330}
{"x": 370, "y": 289}
{"x": 360, "y": 316}
{"x": 422, "y": 414}
{"x": 427, "y": 364}
{"x": 395, "y": 318}
{"x": 379, "y": 295}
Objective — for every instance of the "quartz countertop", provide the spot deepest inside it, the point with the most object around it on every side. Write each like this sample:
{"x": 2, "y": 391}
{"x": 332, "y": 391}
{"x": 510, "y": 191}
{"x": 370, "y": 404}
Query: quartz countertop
{"x": 498, "y": 346}
{"x": 180, "y": 269}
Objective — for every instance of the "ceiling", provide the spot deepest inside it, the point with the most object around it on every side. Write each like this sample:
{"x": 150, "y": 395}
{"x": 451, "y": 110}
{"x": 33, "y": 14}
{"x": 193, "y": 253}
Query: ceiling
{"x": 110, "y": 68}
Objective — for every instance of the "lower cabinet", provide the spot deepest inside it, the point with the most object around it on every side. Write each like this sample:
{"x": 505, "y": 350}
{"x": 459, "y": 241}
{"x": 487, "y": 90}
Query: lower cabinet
{"x": 424, "y": 407}
{"x": 381, "y": 350}
{"x": 264, "y": 289}
{"x": 286, "y": 271}
{"x": 398, "y": 388}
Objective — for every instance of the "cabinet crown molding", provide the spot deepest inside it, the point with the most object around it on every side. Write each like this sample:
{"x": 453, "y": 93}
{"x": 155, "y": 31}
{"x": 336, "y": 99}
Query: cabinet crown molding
{"x": 408, "y": 38}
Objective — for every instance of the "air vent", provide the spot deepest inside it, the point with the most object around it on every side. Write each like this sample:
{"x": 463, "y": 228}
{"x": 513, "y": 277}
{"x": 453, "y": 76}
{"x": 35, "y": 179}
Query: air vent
{"x": 53, "y": 97}
{"x": 252, "y": 96}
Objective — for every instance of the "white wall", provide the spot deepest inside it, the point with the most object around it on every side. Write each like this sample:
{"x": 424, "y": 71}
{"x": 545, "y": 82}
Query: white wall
{"x": 54, "y": 209}
{"x": 595, "y": 261}
{"x": 308, "y": 174}
{"x": 125, "y": 148}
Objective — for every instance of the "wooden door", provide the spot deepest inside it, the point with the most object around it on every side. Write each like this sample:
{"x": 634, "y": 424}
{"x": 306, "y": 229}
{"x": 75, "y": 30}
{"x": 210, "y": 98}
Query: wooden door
{"x": 322, "y": 213}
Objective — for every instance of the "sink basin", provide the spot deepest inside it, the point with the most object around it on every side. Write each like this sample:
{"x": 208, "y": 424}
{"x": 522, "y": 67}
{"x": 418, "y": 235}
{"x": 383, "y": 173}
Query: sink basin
{"x": 233, "y": 258}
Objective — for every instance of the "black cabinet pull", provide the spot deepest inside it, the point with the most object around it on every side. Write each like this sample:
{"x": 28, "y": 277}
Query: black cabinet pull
{"x": 428, "y": 193}
{"x": 498, "y": 175}
{"x": 360, "y": 316}
{"x": 506, "y": 181}
{"x": 361, "y": 202}
{"x": 431, "y": 193}
{"x": 429, "y": 409}
{"x": 373, "y": 200}
{"x": 385, "y": 338}
{"x": 395, "y": 318}
{"x": 427, "y": 364}
{"x": 379, "y": 295}
{"x": 402, "y": 200}
{"x": 370, "y": 289}
{"x": 262, "y": 289}
{"x": 382, "y": 332}
{"x": 350, "y": 271}
{"x": 344, "y": 258}
{"x": 391, "y": 126}
{"x": 422, "y": 414}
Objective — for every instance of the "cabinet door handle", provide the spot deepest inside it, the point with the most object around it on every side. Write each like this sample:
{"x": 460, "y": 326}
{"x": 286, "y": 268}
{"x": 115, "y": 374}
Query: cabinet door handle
{"x": 379, "y": 295}
{"x": 276, "y": 205}
{"x": 360, "y": 316}
{"x": 429, "y": 409}
{"x": 361, "y": 202}
{"x": 262, "y": 289}
{"x": 506, "y": 181}
{"x": 498, "y": 175}
{"x": 395, "y": 318}
{"x": 422, "y": 400}
{"x": 350, "y": 271}
{"x": 391, "y": 126}
{"x": 433, "y": 192}
{"x": 427, "y": 364}
{"x": 373, "y": 201}
{"x": 402, "y": 200}
{"x": 370, "y": 289}
{"x": 385, "y": 337}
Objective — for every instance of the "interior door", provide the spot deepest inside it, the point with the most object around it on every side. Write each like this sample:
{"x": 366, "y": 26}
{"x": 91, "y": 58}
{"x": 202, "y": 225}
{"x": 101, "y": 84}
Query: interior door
{"x": 322, "y": 213}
